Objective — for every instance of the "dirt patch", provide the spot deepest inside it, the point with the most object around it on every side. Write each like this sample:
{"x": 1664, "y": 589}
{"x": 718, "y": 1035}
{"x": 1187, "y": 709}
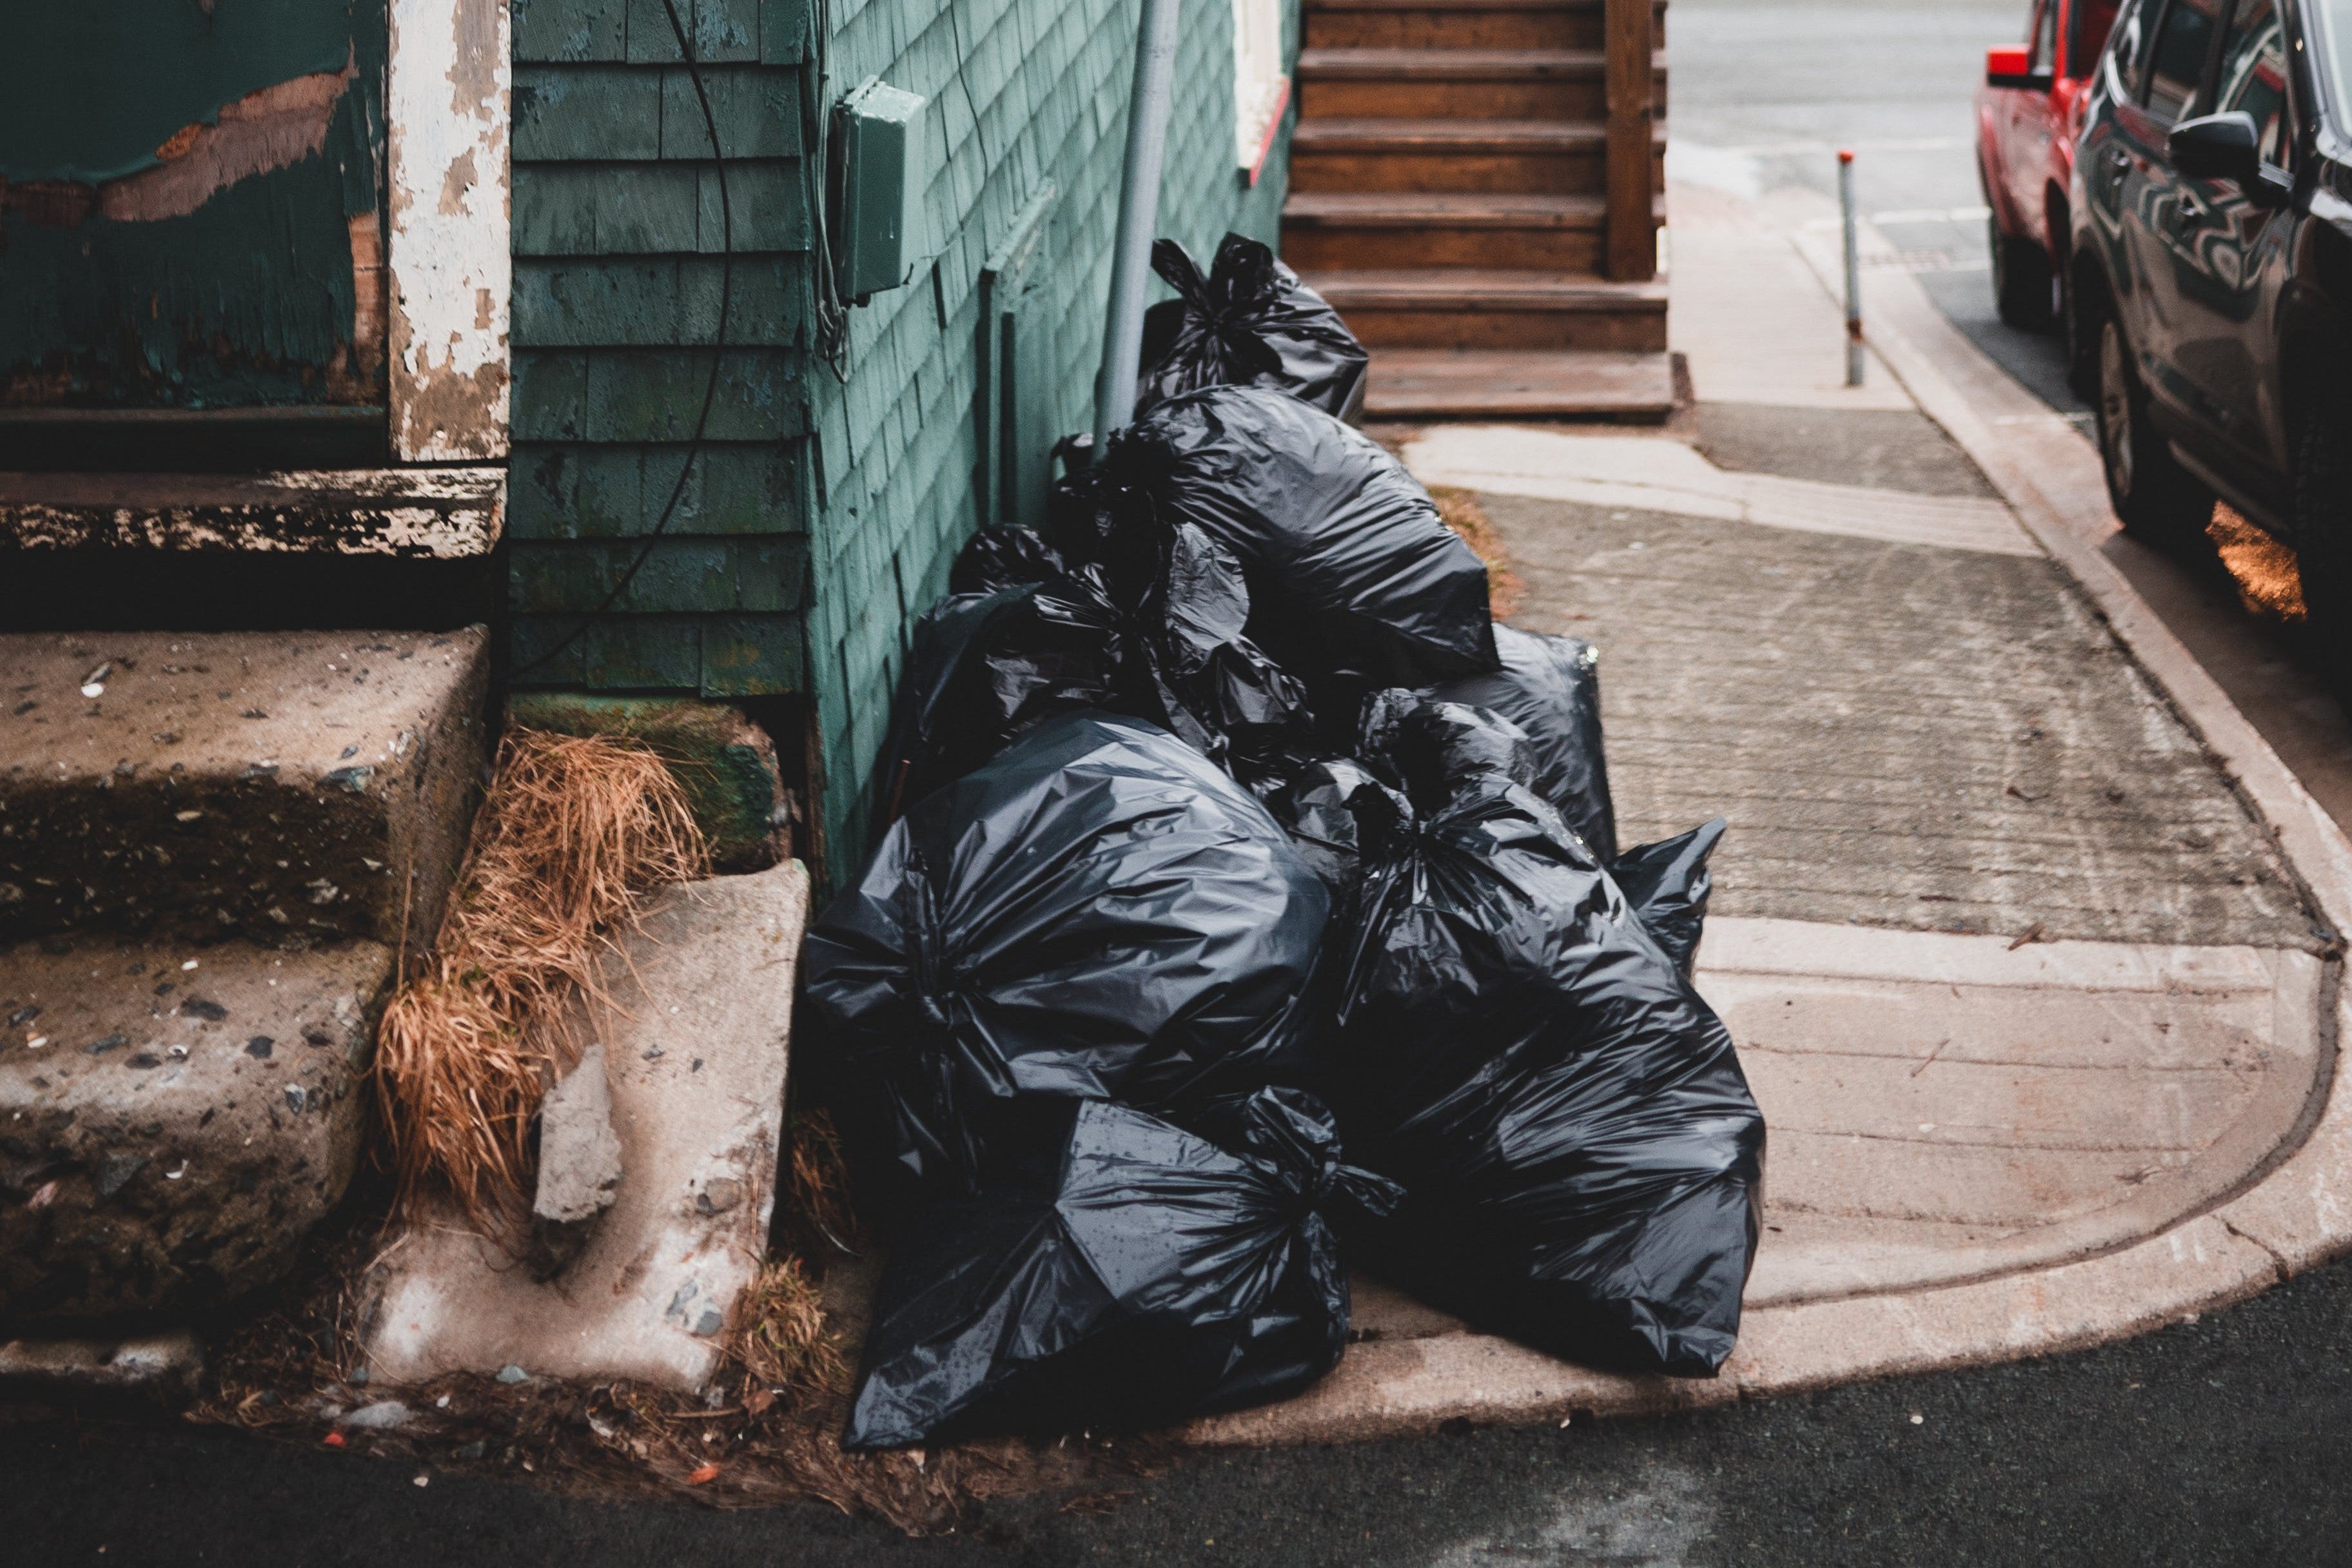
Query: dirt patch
{"x": 767, "y": 1432}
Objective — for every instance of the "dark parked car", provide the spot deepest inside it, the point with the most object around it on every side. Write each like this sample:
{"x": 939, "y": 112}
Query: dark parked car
{"x": 2211, "y": 265}
{"x": 2025, "y": 147}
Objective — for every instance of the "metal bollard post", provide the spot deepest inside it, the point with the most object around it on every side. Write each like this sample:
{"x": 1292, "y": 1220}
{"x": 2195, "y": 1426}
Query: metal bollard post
{"x": 1852, "y": 271}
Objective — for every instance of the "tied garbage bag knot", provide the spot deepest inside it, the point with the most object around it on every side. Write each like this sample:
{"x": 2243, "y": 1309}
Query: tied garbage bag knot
{"x": 1549, "y": 687}
{"x": 1249, "y": 322}
{"x": 1152, "y": 626}
{"x": 1294, "y": 1135}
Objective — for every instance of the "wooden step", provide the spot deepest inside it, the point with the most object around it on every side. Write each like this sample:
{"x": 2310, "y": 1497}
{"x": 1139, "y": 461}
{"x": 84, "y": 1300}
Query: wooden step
{"x": 1339, "y": 230}
{"x": 1436, "y": 383}
{"x": 1554, "y": 157}
{"x": 1470, "y": 84}
{"x": 1459, "y": 23}
{"x": 1494, "y": 308}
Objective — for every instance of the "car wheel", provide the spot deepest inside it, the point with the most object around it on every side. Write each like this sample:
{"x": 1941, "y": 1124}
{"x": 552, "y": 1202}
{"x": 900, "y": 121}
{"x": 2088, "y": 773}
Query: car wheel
{"x": 2022, "y": 280}
{"x": 2155, "y": 498}
{"x": 2323, "y": 533}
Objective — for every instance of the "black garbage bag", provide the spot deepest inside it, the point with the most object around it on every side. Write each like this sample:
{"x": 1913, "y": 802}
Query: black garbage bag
{"x": 1582, "y": 1156}
{"x": 1155, "y": 633}
{"x": 1667, "y": 883}
{"x": 1250, "y": 322}
{"x": 1550, "y": 687}
{"x": 1003, "y": 557}
{"x": 1099, "y": 912}
{"x": 1338, "y": 811}
{"x": 1120, "y": 1272}
{"x": 1354, "y": 582}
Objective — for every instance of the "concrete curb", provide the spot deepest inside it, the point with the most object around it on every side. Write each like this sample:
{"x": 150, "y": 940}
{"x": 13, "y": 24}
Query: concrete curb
{"x": 2292, "y": 1212}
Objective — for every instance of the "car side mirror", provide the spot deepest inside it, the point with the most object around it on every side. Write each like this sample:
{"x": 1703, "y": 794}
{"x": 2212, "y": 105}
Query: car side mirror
{"x": 2217, "y": 147}
{"x": 2011, "y": 65}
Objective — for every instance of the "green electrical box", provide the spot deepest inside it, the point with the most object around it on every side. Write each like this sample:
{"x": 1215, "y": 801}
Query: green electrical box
{"x": 879, "y": 180}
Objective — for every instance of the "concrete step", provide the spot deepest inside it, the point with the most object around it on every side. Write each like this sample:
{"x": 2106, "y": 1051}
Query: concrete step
{"x": 1339, "y": 230}
{"x": 1455, "y": 83}
{"x": 1548, "y": 157}
{"x": 1469, "y": 84}
{"x": 695, "y": 1054}
{"x": 288, "y": 787}
{"x": 1433, "y": 384}
{"x": 1472, "y": 308}
{"x": 1459, "y": 23}
{"x": 173, "y": 1119}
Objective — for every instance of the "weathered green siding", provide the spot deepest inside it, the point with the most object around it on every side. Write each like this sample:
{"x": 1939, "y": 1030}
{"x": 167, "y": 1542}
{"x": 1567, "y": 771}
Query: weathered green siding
{"x": 1024, "y": 92}
{"x": 824, "y": 512}
{"x": 616, "y": 281}
{"x": 215, "y": 282}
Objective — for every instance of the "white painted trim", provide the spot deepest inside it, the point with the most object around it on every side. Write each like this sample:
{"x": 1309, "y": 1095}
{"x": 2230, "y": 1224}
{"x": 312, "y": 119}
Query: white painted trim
{"x": 446, "y": 109}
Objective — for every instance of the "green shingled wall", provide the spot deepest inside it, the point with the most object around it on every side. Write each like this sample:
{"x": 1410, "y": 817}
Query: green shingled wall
{"x": 1024, "y": 92}
{"x": 617, "y": 231}
{"x": 825, "y": 513}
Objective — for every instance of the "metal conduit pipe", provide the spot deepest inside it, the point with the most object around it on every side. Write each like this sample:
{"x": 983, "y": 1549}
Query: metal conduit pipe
{"x": 1139, "y": 215}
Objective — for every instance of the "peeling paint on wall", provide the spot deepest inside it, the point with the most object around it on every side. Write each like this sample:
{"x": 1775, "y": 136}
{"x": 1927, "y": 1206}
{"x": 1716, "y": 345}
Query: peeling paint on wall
{"x": 189, "y": 204}
{"x": 446, "y": 104}
{"x": 272, "y": 128}
{"x": 92, "y": 91}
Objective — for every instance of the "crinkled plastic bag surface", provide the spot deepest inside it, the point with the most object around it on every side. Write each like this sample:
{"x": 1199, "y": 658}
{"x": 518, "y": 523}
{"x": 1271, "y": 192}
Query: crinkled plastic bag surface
{"x": 1250, "y": 322}
{"x": 1155, "y": 633}
{"x": 1550, "y": 687}
{"x": 1004, "y": 556}
{"x": 1581, "y": 1152}
{"x": 1098, "y": 912}
{"x": 1354, "y": 582}
{"x": 1668, "y": 884}
{"x": 1120, "y": 1273}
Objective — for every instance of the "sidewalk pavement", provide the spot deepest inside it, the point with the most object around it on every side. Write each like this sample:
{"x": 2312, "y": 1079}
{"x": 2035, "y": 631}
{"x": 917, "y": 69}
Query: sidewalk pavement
{"x": 2027, "y": 937}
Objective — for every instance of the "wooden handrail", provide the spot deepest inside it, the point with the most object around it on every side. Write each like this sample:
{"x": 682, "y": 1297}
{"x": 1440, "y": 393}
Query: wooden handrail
{"x": 1630, "y": 28}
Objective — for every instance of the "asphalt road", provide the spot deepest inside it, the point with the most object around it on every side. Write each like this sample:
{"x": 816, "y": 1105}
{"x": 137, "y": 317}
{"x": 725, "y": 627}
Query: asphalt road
{"x": 2227, "y": 1440}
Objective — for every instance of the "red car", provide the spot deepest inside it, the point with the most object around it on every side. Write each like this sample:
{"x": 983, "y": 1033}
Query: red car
{"x": 2025, "y": 149}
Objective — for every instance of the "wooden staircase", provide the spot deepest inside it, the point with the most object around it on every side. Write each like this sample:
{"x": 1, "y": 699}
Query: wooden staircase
{"x": 1475, "y": 186}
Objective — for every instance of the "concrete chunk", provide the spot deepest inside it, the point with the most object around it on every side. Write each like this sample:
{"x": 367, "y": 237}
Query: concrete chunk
{"x": 696, "y": 1070}
{"x": 173, "y": 1120}
{"x": 579, "y": 1164}
{"x": 289, "y": 787}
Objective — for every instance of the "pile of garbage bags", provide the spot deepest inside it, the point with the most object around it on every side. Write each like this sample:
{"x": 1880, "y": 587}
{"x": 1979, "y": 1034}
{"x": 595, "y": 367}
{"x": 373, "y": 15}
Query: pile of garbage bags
{"x": 1249, "y": 904}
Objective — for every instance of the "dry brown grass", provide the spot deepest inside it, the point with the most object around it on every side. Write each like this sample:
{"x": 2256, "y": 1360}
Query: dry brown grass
{"x": 780, "y": 1341}
{"x": 575, "y": 830}
{"x": 813, "y": 1214}
{"x": 1461, "y": 513}
{"x": 2270, "y": 583}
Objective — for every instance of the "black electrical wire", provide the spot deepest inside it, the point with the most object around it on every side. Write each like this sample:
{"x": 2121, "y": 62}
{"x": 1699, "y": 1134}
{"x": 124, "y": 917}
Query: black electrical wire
{"x": 718, "y": 347}
{"x": 832, "y": 325}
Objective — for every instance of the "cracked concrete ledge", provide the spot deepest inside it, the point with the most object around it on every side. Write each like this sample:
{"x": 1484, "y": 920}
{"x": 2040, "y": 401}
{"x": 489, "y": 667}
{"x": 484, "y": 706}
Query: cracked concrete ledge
{"x": 2290, "y": 1212}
